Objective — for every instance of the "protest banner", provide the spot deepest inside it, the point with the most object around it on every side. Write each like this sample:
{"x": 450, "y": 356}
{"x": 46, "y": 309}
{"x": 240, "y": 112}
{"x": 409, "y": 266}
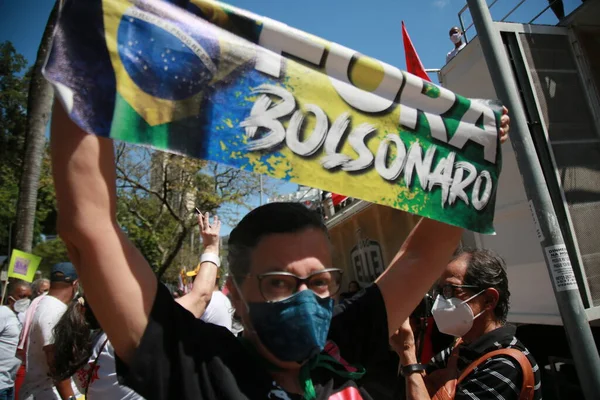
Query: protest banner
{"x": 211, "y": 81}
{"x": 23, "y": 265}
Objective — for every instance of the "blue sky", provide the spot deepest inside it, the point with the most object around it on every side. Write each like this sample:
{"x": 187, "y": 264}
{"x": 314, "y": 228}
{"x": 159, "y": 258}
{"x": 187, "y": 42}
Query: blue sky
{"x": 371, "y": 27}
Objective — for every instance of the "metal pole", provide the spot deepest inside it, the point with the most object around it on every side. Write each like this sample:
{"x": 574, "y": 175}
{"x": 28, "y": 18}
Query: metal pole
{"x": 9, "y": 238}
{"x": 579, "y": 334}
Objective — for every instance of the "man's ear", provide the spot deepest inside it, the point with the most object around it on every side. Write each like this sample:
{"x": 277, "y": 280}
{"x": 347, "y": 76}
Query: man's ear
{"x": 491, "y": 297}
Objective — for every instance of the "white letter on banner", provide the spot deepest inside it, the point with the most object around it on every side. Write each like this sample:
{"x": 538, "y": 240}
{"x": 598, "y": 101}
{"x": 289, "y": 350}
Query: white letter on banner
{"x": 277, "y": 38}
{"x": 332, "y": 158}
{"x": 442, "y": 176}
{"x": 458, "y": 184}
{"x": 317, "y": 137}
{"x": 414, "y": 160}
{"x": 480, "y": 202}
{"x": 263, "y": 115}
{"x": 414, "y": 99}
{"x": 392, "y": 172}
{"x": 467, "y": 130}
{"x": 357, "y": 142}
{"x": 336, "y": 66}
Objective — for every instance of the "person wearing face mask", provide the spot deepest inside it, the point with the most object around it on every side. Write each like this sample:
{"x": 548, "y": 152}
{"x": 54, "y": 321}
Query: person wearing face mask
{"x": 456, "y": 38}
{"x": 296, "y": 344}
{"x": 19, "y": 298}
{"x": 471, "y": 304}
{"x": 18, "y": 293}
{"x": 39, "y": 347}
{"x": 10, "y": 328}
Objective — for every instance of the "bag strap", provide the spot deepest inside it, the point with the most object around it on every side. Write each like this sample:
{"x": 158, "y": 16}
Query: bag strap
{"x": 527, "y": 388}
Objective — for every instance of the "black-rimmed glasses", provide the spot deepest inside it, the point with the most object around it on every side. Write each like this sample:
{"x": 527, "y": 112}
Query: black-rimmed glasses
{"x": 448, "y": 290}
{"x": 277, "y": 286}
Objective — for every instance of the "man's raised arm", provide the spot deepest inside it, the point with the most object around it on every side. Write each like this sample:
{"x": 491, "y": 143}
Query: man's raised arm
{"x": 118, "y": 281}
{"x": 421, "y": 260}
{"x": 418, "y": 264}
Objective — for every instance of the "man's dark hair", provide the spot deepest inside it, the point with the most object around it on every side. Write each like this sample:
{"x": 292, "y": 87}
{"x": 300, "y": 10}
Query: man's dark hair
{"x": 265, "y": 220}
{"x": 486, "y": 269}
{"x": 454, "y": 28}
{"x": 14, "y": 285}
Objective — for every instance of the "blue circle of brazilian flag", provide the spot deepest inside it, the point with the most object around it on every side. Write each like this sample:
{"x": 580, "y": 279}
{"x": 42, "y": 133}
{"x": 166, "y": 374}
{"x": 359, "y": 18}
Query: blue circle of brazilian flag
{"x": 160, "y": 63}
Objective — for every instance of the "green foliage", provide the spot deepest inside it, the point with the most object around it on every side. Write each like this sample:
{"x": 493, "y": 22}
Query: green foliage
{"x": 13, "y": 105}
{"x": 157, "y": 195}
{"x": 52, "y": 252}
{"x": 14, "y": 85}
{"x": 13, "y": 108}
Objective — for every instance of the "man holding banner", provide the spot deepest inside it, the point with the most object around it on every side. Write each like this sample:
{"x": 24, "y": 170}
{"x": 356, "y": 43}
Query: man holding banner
{"x": 238, "y": 110}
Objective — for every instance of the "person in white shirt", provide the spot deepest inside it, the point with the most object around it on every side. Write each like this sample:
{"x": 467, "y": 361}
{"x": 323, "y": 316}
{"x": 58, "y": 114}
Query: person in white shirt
{"x": 83, "y": 352}
{"x": 456, "y": 38}
{"x": 219, "y": 311}
{"x": 39, "y": 352}
{"x": 9, "y": 364}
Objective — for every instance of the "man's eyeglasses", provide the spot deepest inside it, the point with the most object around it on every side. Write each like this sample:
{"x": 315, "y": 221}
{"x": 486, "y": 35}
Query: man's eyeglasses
{"x": 277, "y": 286}
{"x": 448, "y": 290}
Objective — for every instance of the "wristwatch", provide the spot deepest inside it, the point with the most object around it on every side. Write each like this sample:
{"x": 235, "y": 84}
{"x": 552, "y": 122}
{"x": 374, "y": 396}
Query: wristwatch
{"x": 411, "y": 369}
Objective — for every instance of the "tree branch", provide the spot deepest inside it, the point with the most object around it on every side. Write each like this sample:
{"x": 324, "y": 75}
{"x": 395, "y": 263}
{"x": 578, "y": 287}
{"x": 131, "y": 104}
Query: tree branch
{"x": 137, "y": 185}
{"x": 173, "y": 253}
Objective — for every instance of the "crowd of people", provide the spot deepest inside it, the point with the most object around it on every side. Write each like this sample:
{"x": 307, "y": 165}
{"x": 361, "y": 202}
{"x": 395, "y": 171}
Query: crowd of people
{"x": 283, "y": 330}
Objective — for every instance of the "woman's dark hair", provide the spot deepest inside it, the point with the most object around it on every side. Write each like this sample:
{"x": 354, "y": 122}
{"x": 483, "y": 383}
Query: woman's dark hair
{"x": 73, "y": 339}
{"x": 486, "y": 269}
{"x": 266, "y": 220}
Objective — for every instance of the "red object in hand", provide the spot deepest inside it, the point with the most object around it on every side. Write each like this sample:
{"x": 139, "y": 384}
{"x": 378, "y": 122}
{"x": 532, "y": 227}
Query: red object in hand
{"x": 427, "y": 347}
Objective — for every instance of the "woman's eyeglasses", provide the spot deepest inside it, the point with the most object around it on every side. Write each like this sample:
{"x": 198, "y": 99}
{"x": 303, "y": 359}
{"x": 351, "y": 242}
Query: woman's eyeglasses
{"x": 277, "y": 286}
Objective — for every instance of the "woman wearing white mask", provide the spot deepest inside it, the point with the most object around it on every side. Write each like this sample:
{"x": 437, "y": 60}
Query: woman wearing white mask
{"x": 456, "y": 38}
{"x": 471, "y": 304}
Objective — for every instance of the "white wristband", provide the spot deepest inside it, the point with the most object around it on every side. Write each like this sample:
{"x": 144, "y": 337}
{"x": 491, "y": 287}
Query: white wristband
{"x": 211, "y": 258}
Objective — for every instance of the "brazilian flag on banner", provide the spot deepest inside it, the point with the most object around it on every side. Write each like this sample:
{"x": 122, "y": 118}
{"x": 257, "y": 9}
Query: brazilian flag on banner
{"x": 211, "y": 81}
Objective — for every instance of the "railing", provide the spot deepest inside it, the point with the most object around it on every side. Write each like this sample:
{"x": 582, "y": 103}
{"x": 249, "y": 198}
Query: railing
{"x": 504, "y": 18}
{"x": 435, "y": 71}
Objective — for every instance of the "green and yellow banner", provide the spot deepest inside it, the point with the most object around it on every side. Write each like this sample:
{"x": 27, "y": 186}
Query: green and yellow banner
{"x": 207, "y": 80}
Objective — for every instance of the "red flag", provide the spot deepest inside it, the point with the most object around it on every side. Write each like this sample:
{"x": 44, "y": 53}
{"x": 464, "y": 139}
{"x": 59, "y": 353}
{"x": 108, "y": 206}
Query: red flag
{"x": 337, "y": 198}
{"x": 413, "y": 63}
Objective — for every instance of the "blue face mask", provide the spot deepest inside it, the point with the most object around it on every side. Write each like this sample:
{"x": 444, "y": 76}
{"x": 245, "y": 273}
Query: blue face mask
{"x": 294, "y": 329}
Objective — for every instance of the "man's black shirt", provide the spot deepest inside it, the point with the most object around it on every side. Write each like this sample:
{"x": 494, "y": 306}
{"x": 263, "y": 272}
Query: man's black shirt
{"x": 181, "y": 357}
